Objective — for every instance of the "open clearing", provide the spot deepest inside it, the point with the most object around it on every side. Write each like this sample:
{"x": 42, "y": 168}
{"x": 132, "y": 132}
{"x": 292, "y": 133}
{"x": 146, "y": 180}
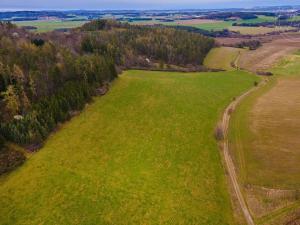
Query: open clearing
{"x": 270, "y": 54}
{"x": 206, "y": 24}
{"x": 216, "y": 25}
{"x": 272, "y": 145}
{"x": 223, "y": 58}
{"x": 142, "y": 154}
{"x": 176, "y": 22}
{"x": 289, "y": 65}
{"x": 257, "y": 30}
{"x": 195, "y": 21}
{"x": 220, "y": 25}
{"x": 264, "y": 143}
{"x": 50, "y": 25}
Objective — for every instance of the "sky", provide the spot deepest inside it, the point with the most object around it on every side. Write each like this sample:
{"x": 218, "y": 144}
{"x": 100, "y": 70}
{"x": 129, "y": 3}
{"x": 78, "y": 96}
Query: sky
{"x": 137, "y": 4}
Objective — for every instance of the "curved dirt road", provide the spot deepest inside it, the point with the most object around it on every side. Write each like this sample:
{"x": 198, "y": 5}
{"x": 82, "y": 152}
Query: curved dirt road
{"x": 227, "y": 158}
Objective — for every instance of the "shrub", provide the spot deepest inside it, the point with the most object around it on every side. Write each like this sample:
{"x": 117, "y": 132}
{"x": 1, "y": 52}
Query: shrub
{"x": 219, "y": 133}
{"x": 2, "y": 142}
{"x": 297, "y": 195}
{"x": 38, "y": 42}
{"x": 263, "y": 73}
{"x": 10, "y": 159}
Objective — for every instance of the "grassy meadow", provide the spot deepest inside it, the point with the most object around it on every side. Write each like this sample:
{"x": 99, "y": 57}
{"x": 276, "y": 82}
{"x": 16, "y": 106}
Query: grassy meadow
{"x": 50, "y": 25}
{"x": 223, "y": 58}
{"x": 289, "y": 66}
{"x": 142, "y": 154}
{"x": 255, "y": 151}
{"x": 220, "y": 25}
{"x": 258, "y": 30}
{"x": 264, "y": 143}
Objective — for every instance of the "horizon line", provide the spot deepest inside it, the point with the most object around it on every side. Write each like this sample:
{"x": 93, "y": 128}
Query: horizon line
{"x": 154, "y": 9}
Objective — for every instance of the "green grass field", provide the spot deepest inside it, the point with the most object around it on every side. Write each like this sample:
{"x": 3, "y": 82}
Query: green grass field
{"x": 45, "y": 26}
{"x": 214, "y": 26}
{"x": 222, "y": 58}
{"x": 144, "y": 153}
{"x": 288, "y": 66}
{"x": 243, "y": 30}
{"x": 261, "y": 19}
{"x": 294, "y": 18}
{"x": 258, "y": 30}
{"x": 220, "y": 25}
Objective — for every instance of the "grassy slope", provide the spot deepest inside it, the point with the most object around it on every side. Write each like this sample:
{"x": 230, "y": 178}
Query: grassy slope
{"x": 241, "y": 139}
{"x": 294, "y": 19}
{"x": 243, "y": 30}
{"x": 241, "y": 135}
{"x": 45, "y": 26}
{"x": 228, "y": 24}
{"x": 218, "y": 25}
{"x": 142, "y": 154}
{"x": 221, "y": 58}
{"x": 214, "y": 26}
{"x": 288, "y": 66}
{"x": 257, "y": 30}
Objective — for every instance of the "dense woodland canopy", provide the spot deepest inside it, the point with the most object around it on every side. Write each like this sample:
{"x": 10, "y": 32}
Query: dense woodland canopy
{"x": 130, "y": 45}
{"x": 45, "y": 78}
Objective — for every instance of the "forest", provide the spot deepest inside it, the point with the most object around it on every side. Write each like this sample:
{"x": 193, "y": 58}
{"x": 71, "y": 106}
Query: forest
{"x": 47, "y": 78}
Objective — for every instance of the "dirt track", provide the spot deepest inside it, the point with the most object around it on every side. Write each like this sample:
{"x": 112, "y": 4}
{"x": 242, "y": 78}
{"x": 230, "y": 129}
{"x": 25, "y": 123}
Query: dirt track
{"x": 227, "y": 158}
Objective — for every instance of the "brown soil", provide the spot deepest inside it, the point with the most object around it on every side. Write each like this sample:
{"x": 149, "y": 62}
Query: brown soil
{"x": 263, "y": 38}
{"x": 275, "y": 123}
{"x": 270, "y": 53}
{"x": 262, "y": 201}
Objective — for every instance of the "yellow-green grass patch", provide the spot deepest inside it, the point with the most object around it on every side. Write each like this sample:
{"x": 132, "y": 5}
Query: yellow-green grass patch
{"x": 50, "y": 25}
{"x": 288, "y": 66}
{"x": 211, "y": 25}
{"x": 144, "y": 153}
{"x": 224, "y": 58}
{"x": 258, "y": 30}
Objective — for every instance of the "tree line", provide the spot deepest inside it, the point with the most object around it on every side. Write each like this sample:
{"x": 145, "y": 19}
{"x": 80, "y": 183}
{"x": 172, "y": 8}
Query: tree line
{"x": 45, "y": 78}
{"x": 131, "y": 45}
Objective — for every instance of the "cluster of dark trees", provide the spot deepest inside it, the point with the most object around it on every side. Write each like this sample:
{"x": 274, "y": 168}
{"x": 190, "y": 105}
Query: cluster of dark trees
{"x": 132, "y": 45}
{"x": 41, "y": 83}
{"x": 229, "y": 15}
{"x": 46, "y": 78}
{"x": 210, "y": 33}
{"x": 251, "y": 44}
{"x": 134, "y": 19}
